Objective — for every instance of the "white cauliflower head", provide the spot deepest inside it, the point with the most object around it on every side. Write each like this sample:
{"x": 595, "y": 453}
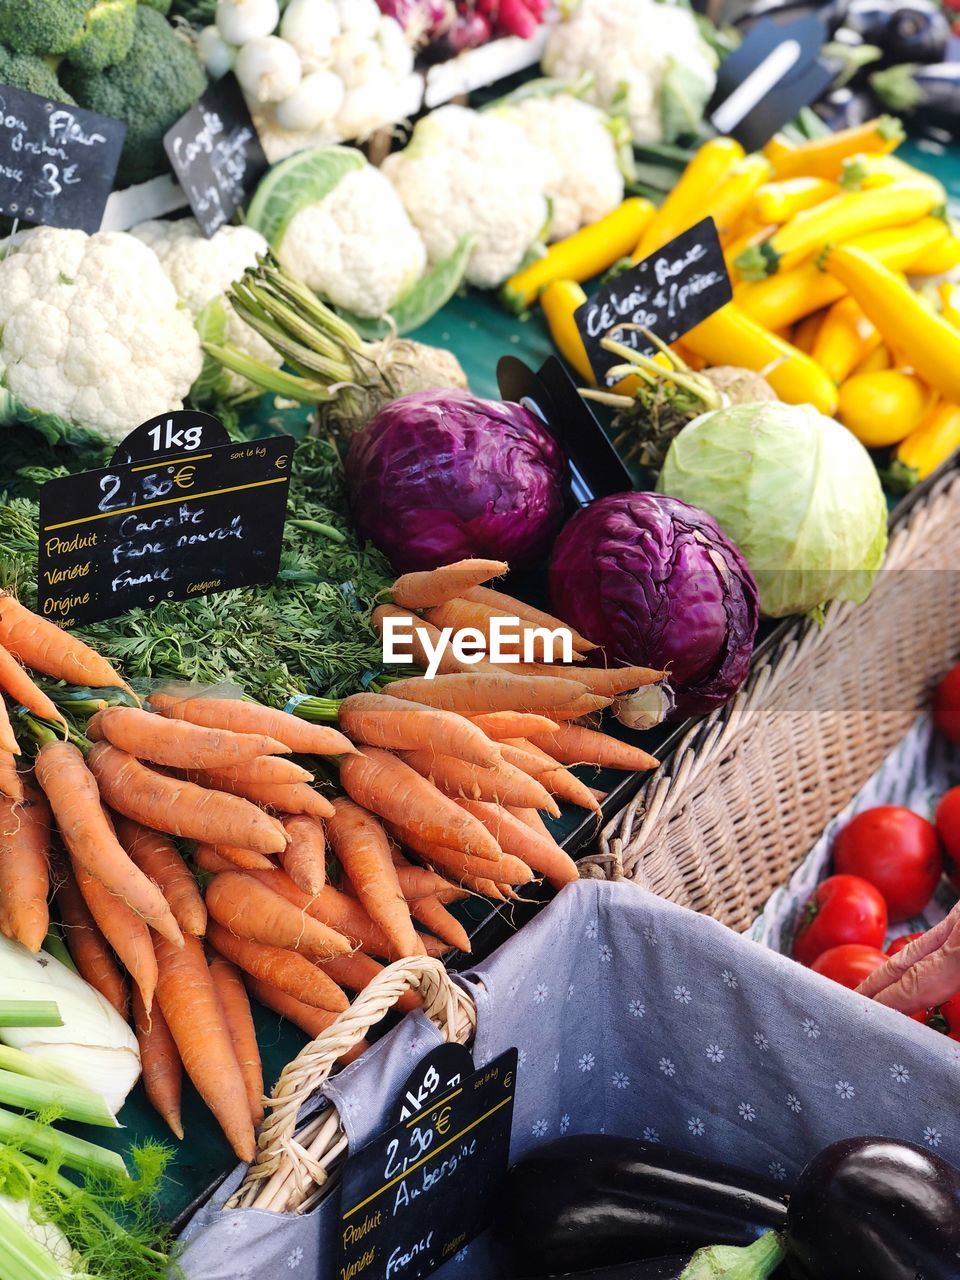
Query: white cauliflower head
{"x": 356, "y": 246}
{"x": 202, "y": 269}
{"x": 472, "y": 173}
{"x": 640, "y": 49}
{"x": 585, "y": 181}
{"x": 93, "y": 331}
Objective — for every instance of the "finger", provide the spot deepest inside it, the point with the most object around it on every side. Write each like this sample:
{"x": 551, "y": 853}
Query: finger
{"x": 911, "y": 954}
{"x": 930, "y": 982}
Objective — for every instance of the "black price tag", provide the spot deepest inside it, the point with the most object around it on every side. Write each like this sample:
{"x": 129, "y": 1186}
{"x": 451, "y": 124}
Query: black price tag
{"x": 418, "y": 1193}
{"x": 774, "y": 73}
{"x": 57, "y": 162}
{"x": 668, "y": 293}
{"x": 180, "y": 512}
{"x": 440, "y": 1071}
{"x": 216, "y": 154}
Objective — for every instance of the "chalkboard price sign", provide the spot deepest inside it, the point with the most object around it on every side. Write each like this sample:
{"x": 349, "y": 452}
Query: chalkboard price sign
{"x": 216, "y": 154}
{"x": 413, "y": 1197}
{"x": 668, "y": 293}
{"x": 159, "y": 525}
{"x": 57, "y": 162}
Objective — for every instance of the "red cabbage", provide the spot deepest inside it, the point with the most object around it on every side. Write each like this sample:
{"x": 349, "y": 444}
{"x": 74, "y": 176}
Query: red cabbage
{"x": 655, "y": 582}
{"x": 438, "y": 476}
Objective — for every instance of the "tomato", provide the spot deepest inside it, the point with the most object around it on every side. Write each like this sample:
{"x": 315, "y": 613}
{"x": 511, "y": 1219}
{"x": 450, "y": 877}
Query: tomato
{"x": 944, "y": 1018}
{"x": 947, "y": 819}
{"x": 849, "y": 964}
{"x": 899, "y": 943}
{"x": 946, "y": 705}
{"x": 841, "y": 909}
{"x": 897, "y": 851}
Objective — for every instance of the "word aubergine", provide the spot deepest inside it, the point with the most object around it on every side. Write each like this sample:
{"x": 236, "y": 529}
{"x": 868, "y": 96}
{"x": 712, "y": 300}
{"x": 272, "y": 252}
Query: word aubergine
{"x": 508, "y": 640}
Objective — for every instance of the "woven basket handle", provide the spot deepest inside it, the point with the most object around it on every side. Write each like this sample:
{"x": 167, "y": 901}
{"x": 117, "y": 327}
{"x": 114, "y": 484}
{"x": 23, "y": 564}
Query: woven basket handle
{"x": 445, "y": 1003}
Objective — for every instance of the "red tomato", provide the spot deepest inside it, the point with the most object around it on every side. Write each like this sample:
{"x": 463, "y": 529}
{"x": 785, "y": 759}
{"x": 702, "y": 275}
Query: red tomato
{"x": 841, "y": 909}
{"x": 849, "y": 964}
{"x": 897, "y": 851}
{"x": 899, "y": 943}
{"x": 946, "y": 705}
{"x": 947, "y": 819}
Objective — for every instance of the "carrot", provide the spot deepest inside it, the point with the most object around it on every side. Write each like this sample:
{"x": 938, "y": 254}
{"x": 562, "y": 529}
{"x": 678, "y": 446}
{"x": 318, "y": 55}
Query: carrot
{"x": 72, "y": 790}
{"x": 522, "y": 758}
{"x": 416, "y": 628}
{"x": 87, "y": 945}
{"x": 357, "y": 972}
{"x": 381, "y": 721}
{"x": 235, "y": 1007}
{"x": 432, "y": 913}
{"x": 519, "y": 608}
{"x": 40, "y": 645}
{"x": 284, "y": 969}
{"x": 175, "y": 743}
{"x": 17, "y": 683}
{"x": 24, "y": 869}
{"x": 249, "y": 717}
{"x": 507, "y": 783}
{"x": 126, "y": 933}
{"x": 513, "y": 724}
{"x": 305, "y": 857}
{"x": 434, "y": 586}
{"x": 191, "y": 1007}
{"x": 274, "y": 770}
{"x": 417, "y": 882}
{"x": 585, "y": 705}
{"x": 251, "y": 910}
{"x": 538, "y": 851}
{"x": 158, "y": 858}
{"x": 160, "y": 1065}
{"x": 606, "y": 682}
{"x": 8, "y": 741}
{"x": 296, "y": 798}
{"x": 227, "y": 857}
{"x": 361, "y": 844}
{"x": 11, "y": 784}
{"x": 509, "y": 869}
{"x": 392, "y": 789}
{"x": 473, "y": 694}
{"x": 558, "y": 780}
{"x": 461, "y": 614}
{"x": 312, "y": 1022}
{"x": 181, "y": 808}
{"x": 575, "y": 744}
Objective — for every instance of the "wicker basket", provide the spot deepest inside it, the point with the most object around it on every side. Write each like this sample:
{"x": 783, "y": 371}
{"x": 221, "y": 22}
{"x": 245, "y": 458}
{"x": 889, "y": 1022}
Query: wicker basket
{"x": 747, "y": 791}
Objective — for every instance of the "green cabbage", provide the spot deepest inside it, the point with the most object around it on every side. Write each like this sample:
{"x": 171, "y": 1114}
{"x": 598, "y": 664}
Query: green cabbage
{"x": 797, "y": 493}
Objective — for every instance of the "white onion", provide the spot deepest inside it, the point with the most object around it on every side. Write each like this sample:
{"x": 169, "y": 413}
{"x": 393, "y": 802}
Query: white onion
{"x": 241, "y": 20}
{"x": 396, "y": 53}
{"x": 359, "y": 17}
{"x": 216, "y": 54}
{"x": 318, "y": 97}
{"x": 268, "y": 69}
{"x": 356, "y": 60}
{"x": 311, "y": 26}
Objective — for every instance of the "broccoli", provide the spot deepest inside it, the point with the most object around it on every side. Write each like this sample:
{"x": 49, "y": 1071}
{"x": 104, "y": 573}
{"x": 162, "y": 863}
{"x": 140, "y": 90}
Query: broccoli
{"x": 27, "y": 71}
{"x": 161, "y": 6}
{"x": 158, "y": 81}
{"x": 106, "y": 36}
{"x": 41, "y": 26}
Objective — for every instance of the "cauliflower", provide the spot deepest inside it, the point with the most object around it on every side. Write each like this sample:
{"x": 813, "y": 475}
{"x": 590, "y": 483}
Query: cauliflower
{"x": 356, "y": 246}
{"x": 469, "y": 173}
{"x": 650, "y": 51}
{"x": 92, "y": 330}
{"x": 201, "y": 270}
{"x": 585, "y": 181}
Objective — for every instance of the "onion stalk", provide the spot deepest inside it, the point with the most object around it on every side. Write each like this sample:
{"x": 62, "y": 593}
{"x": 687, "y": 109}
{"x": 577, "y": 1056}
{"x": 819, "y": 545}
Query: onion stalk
{"x": 30, "y": 1013}
{"x": 332, "y": 366}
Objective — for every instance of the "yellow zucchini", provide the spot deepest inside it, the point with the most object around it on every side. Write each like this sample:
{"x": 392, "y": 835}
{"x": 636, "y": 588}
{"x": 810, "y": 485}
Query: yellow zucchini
{"x": 844, "y": 339}
{"x": 731, "y": 337}
{"x": 879, "y": 358}
{"x": 780, "y": 201}
{"x": 690, "y": 200}
{"x": 882, "y": 408}
{"x": 940, "y": 258}
{"x": 865, "y": 172}
{"x": 559, "y": 301}
{"x": 931, "y": 444}
{"x": 822, "y": 157}
{"x": 586, "y": 253}
{"x": 805, "y": 333}
{"x": 736, "y": 192}
{"x": 841, "y": 218}
{"x": 930, "y": 344}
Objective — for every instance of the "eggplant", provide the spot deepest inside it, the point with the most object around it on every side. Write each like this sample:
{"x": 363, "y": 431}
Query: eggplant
{"x": 904, "y": 30}
{"x": 652, "y": 1269}
{"x": 930, "y": 94}
{"x": 590, "y": 1201}
{"x": 830, "y": 12}
{"x": 846, "y": 108}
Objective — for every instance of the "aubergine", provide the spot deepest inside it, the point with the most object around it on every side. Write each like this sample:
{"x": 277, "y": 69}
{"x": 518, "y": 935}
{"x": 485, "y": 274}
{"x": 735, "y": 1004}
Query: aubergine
{"x": 904, "y": 30}
{"x": 650, "y": 1269}
{"x": 930, "y": 94}
{"x": 848, "y": 107}
{"x": 594, "y": 1201}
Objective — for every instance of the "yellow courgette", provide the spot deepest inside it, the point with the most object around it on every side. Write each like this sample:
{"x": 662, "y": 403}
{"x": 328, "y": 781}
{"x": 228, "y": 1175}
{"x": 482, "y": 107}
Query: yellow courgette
{"x": 930, "y": 344}
{"x": 559, "y": 301}
{"x": 883, "y": 408}
{"x": 822, "y": 157}
{"x": 931, "y": 444}
{"x": 690, "y": 200}
{"x": 731, "y": 337}
{"x": 844, "y": 339}
{"x": 780, "y": 201}
{"x": 865, "y": 172}
{"x": 879, "y": 358}
{"x": 586, "y": 253}
{"x": 841, "y": 218}
{"x": 787, "y": 296}
{"x": 940, "y": 258}
{"x": 949, "y": 304}
{"x": 736, "y": 192}
{"x": 806, "y": 332}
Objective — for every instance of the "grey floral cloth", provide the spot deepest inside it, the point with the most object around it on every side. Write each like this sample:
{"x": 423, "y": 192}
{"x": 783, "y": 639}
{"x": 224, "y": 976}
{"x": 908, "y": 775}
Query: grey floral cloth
{"x": 636, "y": 1017}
